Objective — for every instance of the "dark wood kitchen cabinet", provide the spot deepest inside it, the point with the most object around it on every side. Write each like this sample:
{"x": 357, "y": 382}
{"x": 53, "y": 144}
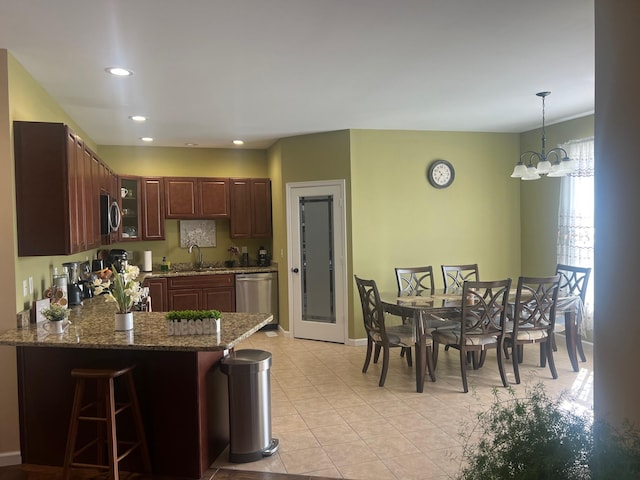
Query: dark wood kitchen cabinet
{"x": 202, "y": 292}
{"x": 250, "y": 207}
{"x": 213, "y": 197}
{"x": 142, "y": 208}
{"x": 194, "y": 197}
{"x": 92, "y": 198}
{"x": 157, "y": 292}
{"x": 152, "y": 193}
{"x": 130, "y": 222}
{"x": 57, "y": 190}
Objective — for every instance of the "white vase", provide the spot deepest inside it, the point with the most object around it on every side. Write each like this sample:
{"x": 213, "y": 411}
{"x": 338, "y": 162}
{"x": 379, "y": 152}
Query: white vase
{"x": 124, "y": 321}
{"x": 55, "y": 327}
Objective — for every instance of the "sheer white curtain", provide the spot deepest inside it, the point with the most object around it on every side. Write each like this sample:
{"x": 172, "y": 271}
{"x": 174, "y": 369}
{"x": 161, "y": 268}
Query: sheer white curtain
{"x": 575, "y": 217}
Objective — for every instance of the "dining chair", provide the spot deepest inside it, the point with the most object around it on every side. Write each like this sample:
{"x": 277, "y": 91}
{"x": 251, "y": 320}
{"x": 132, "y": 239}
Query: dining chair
{"x": 484, "y": 307}
{"x": 454, "y": 276}
{"x": 533, "y": 321}
{"x": 573, "y": 281}
{"x": 381, "y": 336}
{"x": 415, "y": 280}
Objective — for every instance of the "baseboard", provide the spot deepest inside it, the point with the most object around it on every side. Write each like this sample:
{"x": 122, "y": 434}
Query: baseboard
{"x": 283, "y": 332}
{"x": 10, "y": 458}
{"x": 352, "y": 342}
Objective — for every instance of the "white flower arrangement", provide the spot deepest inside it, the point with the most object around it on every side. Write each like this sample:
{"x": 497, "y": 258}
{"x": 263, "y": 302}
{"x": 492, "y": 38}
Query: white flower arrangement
{"x": 123, "y": 290}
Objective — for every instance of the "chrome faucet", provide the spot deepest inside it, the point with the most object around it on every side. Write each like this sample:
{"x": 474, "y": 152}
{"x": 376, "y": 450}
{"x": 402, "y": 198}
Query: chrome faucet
{"x": 199, "y": 263}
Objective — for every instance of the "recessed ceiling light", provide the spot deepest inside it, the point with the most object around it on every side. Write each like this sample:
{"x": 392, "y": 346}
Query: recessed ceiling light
{"x": 119, "y": 71}
{"x": 191, "y": 144}
{"x": 238, "y": 142}
{"x": 146, "y": 139}
{"x": 138, "y": 118}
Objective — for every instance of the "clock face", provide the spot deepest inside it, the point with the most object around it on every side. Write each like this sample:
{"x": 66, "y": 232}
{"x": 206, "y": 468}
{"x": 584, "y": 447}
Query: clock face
{"x": 441, "y": 174}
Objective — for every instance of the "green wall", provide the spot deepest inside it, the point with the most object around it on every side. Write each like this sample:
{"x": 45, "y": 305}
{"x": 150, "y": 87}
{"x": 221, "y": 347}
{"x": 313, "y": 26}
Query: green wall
{"x": 400, "y": 220}
{"x": 305, "y": 158}
{"x": 187, "y": 161}
{"x": 28, "y": 101}
{"x": 540, "y": 198}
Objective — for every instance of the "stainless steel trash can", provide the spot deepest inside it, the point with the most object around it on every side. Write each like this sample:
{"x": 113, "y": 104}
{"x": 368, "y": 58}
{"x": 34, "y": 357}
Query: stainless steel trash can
{"x": 249, "y": 405}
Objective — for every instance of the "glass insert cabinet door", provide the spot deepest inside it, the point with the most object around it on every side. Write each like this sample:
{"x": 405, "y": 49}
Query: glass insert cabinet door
{"x": 317, "y": 259}
{"x": 130, "y": 201}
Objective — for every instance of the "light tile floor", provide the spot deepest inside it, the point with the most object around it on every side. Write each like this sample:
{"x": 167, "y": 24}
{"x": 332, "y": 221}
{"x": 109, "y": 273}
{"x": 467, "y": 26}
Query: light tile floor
{"x": 334, "y": 421}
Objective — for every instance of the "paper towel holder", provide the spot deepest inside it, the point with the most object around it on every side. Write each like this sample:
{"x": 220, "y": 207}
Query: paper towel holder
{"x": 147, "y": 264}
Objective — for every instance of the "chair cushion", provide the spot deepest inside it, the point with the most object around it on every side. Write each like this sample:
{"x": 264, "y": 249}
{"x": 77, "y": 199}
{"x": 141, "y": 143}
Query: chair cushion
{"x": 533, "y": 334}
{"x": 526, "y": 331}
{"x": 452, "y": 336}
{"x": 402, "y": 335}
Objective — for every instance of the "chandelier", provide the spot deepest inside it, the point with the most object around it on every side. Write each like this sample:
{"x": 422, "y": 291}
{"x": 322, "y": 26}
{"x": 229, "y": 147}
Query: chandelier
{"x": 554, "y": 163}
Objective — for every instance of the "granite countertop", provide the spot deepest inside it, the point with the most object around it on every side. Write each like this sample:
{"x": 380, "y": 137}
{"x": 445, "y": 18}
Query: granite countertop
{"x": 93, "y": 326}
{"x": 186, "y": 271}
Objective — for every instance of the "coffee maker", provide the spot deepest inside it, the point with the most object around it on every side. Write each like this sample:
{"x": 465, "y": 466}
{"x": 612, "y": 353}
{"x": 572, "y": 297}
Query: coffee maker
{"x": 118, "y": 258}
{"x": 263, "y": 258}
{"x": 74, "y": 289}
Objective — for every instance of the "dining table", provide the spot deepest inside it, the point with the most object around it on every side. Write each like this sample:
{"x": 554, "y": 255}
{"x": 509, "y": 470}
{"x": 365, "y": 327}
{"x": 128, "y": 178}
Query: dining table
{"x": 426, "y": 310}
{"x": 443, "y": 309}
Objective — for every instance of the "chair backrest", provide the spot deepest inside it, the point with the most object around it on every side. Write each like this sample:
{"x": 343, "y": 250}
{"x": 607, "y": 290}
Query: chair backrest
{"x": 414, "y": 280}
{"x": 454, "y": 276}
{"x": 535, "y": 303}
{"x": 573, "y": 280}
{"x": 484, "y": 306}
{"x": 372, "y": 312}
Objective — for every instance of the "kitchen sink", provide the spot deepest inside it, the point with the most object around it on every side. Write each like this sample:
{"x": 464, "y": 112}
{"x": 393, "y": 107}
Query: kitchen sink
{"x": 209, "y": 269}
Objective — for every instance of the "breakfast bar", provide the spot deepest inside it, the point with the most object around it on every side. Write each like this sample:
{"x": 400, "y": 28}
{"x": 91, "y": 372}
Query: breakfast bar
{"x": 183, "y": 395}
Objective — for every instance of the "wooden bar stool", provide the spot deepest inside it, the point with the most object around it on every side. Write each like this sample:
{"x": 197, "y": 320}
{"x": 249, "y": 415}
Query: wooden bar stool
{"x": 103, "y": 412}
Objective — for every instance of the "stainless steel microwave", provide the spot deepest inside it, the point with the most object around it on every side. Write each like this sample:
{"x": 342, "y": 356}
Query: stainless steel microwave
{"x": 109, "y": 215}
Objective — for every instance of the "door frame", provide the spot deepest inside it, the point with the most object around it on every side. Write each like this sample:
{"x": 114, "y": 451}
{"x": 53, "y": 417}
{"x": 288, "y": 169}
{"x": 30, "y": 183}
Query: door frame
{"x": 340, "y": 266}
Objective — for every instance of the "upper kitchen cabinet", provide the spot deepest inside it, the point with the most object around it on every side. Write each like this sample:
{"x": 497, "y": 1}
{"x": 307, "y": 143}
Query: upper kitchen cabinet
{"x": 250, "y": 207}
{"x": 57, "y": 190}
{"x": 152, "y": 193}
{"x": 91, "y": 187}
{"x": 130, "y": 208}
{"x": 142, "y": 200}
{"x": 193, "y": 197}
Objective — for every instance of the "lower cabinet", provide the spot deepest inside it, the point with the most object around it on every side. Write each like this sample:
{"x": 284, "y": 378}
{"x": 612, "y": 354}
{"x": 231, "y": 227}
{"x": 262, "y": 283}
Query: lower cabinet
{"x": 201, "y": 292}
{"x": 157, "y": 292}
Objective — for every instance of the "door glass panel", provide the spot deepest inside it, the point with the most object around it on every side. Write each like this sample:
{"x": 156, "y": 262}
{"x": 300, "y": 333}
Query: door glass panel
{"x": 317, "y": 250}
{"x": 130, "y": 208}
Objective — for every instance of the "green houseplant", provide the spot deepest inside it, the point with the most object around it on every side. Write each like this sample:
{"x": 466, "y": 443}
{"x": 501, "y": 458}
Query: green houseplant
{"x": 192, "y": 314}
{"x": 536, "y": 437}
{"x": 56, "y": 312}
{"x": 193, "y": 322}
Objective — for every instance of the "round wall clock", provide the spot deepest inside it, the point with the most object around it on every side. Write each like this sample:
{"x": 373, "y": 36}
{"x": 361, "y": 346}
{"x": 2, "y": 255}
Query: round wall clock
{"x": 441, "y": 174}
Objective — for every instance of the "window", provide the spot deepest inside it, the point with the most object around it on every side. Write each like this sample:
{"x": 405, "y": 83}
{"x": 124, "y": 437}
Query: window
{"x": 575, "y": 217}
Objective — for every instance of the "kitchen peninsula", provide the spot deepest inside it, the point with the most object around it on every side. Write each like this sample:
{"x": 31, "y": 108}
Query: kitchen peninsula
{"x": 182, "y": 393}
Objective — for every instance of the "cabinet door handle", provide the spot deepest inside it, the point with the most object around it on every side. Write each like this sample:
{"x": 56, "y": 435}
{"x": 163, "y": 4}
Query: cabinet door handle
{"x": 295, "y": 270}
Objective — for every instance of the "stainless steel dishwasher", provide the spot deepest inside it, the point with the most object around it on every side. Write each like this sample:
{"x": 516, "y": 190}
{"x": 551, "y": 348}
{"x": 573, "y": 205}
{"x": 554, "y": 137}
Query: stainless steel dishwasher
{"x": 257, "y": 293}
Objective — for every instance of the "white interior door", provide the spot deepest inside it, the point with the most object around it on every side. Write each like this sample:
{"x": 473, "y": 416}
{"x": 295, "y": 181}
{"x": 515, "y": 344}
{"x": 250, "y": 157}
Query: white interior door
{"x": 317, "y": 266}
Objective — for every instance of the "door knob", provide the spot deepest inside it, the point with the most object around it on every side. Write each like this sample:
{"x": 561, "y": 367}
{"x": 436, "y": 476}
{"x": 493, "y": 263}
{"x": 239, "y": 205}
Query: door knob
{"x": 295, "y": 270}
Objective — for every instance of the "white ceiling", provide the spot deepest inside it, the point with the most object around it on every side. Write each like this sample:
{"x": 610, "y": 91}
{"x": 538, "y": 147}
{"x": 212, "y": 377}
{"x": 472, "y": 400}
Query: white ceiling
{"x": 210, "y": 71}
